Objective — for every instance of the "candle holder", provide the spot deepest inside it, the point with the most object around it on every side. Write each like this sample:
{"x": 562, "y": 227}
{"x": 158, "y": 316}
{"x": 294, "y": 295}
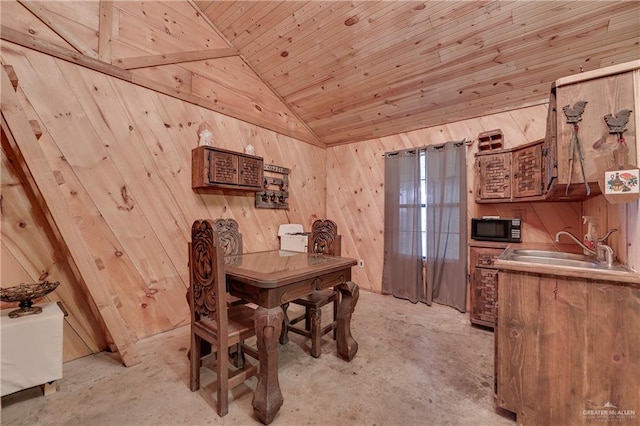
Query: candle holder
{"x": 25, "y": 294}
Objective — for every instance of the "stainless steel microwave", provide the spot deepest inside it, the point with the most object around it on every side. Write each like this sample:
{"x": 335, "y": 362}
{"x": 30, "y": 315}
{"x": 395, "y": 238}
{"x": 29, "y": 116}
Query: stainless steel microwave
{"x": 496, "y": 229}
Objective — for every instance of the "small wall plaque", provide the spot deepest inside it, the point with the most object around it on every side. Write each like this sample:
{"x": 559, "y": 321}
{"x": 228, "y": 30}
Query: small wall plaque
{"x": 622, "y": 182}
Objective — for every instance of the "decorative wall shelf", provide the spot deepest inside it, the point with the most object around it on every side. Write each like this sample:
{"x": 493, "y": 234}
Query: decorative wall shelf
{"x": 269, "y": 197}
{"x": 215, "y": 168}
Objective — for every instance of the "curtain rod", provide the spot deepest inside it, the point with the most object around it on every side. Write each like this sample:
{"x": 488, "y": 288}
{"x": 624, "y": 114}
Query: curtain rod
{"x": 425, "y": 147}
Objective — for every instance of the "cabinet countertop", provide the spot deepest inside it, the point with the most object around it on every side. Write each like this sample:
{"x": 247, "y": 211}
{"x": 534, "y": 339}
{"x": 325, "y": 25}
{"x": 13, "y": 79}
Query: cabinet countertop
{"x": 620, "y": 274}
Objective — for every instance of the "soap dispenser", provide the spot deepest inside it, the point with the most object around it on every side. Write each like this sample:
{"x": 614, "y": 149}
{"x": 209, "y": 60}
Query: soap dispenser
{"x": 591, "y": 237}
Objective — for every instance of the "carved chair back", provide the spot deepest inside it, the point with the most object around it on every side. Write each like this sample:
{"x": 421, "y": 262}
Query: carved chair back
{"x": 230, "y": 239}
{"x": 206, "y": 270}
{"x": 324, "y": 238}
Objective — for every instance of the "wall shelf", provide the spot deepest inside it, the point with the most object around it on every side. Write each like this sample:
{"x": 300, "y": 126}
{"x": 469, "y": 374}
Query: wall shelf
{"x": 215, "y": 169}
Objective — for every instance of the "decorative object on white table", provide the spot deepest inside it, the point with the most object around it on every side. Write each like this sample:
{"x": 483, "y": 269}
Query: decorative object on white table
{"x": 205, "y": 134}
{"x": 31, "y": 349}
{"x": 25, "y": 294}
{"x": 250, "y": 149}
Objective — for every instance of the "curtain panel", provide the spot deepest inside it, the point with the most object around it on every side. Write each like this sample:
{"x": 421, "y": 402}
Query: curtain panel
{"x": 427, "y": 203}
{"x": 402, "y": 268}
{"x": 447, "y": 225}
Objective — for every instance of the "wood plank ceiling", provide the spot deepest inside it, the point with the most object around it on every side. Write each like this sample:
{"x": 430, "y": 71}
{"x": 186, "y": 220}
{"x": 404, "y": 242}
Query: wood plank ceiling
{"x": 358, "y": 70}
{"x": 336, "y": 72}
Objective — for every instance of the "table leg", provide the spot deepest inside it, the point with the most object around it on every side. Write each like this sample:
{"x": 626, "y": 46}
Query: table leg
{"x": 267, "y": 398}
{"x": 347, "y": 346}
{"x": 284, "y": 335}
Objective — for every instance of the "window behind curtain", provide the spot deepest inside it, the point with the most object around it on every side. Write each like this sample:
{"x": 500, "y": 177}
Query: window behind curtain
{"x": 423, "y": 200}
{"x": 451, "y": 207}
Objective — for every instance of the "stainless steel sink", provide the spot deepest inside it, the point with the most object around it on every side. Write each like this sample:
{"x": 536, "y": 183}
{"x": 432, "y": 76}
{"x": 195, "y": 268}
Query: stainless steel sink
{"x": 551, "y": 254}
{"x": 558, "y": 258}
{"x": 565, "y": 264}
{"x": 558, "y": 261}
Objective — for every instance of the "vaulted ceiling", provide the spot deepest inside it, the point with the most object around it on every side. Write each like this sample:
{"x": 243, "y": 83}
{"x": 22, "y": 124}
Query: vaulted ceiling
{"x": 335, "y": 72}
{"x": 355, "y": 70}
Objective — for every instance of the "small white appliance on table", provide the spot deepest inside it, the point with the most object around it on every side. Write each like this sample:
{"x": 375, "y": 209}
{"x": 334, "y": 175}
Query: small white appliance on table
{"x": 293, "y": 238}
{"x": 31, "y": 349}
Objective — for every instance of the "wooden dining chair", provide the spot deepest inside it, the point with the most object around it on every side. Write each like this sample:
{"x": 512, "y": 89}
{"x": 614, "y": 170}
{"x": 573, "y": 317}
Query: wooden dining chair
{"x": 325, "y": 240}
{"x": 212, "y": 318}
{"x": 230, "y": 240}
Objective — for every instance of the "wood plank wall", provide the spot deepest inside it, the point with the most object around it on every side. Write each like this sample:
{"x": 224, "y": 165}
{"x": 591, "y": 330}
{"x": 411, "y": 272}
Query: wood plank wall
{"x": 122, "y": 156}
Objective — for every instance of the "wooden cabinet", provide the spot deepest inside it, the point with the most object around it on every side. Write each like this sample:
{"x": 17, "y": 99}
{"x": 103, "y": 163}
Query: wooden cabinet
{"x": 606, "y": 91}
{"x": 542, "y": 170}
{"x": 514, "y": 174}
{"x": 484, "y": 284}
{"x": 567, "y": 349}
{"x": 215, "y": 168}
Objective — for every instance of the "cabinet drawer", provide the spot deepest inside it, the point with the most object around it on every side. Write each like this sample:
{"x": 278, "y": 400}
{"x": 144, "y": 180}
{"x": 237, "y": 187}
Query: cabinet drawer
{"x": 484, "y": 257}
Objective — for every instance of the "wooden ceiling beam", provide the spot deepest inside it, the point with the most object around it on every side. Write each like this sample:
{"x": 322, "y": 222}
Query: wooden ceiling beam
{"x": 173, "y": 58}
{"x": 105, "y": 30}
{"x": 31, "y": 42}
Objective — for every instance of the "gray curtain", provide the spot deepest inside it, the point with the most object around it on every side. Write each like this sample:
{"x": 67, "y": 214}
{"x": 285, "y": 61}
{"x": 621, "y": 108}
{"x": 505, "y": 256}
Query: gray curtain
{"x": 402, "y": 267}
{"x": 446, "y": 256}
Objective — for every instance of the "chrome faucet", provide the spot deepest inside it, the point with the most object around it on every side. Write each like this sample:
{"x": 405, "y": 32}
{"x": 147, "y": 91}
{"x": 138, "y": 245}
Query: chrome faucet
{"x": 609, "y": 232}
{"x": 602, "y": 251}
{"x": 586, "y": 249}
{"x": 608, "y": 251}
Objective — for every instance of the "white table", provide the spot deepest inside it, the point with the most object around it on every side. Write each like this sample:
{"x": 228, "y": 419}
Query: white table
{"x": 31, "y": 348}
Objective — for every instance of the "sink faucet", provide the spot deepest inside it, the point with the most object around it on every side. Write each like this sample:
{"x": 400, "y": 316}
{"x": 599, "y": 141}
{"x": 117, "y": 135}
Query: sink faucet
{"x": 586, "y": 249}
{"x": 609, "y": 232}
{"x": 608, "y": 251}
{"x": 602, "y": 251}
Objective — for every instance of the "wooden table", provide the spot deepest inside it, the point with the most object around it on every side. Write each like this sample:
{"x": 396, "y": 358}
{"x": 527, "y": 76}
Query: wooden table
{"x": 272, "y": 278}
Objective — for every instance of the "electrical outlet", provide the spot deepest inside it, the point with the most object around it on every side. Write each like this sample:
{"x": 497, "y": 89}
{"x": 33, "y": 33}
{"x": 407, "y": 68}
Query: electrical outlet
{"x": 361, "y": 263}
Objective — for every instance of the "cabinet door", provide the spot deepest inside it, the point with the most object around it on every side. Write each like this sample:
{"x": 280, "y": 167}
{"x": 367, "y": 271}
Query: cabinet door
{"x": 223, "y": 167}
{"x": 527, "y": 171}
{"x": 483, "y": 297}
{"x": 484, "y": 285}
{"x": 250, "y": 171}
{"x": 494, "y": 176}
